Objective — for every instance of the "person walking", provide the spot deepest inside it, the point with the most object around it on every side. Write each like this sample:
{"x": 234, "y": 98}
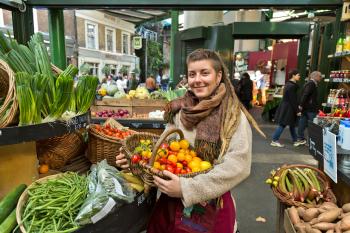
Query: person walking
{"x": 286, "y": 113}
{"x": 235, "y": 82}
{"x": 308, "y": 105}
{"x": 217, "y": 126}
{"x": 246, "y": 90}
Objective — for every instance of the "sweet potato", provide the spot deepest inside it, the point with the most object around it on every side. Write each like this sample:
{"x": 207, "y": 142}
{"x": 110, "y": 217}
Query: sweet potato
{"x": 301, "y": 227}
{"x": 301, "y": 211}
{"x": 346, "y": 232}
{"x": 330, "y": 231}
{"x": 310, "y": 214}
{"x": 343, "y": 215}
{"x": 293, "y": 214}
{"x": 328, "y": 205}
{"x": 346, "y": 207}
{"x": 328, "y": 216}
{"x": 323, "y": 226}
{"x": 345, "y": 223}
{"x": 337, "y": 227}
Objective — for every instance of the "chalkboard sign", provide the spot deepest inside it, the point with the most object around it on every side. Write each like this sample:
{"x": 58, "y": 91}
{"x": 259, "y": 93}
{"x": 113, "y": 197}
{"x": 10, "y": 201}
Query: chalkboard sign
{"x": 315, "y": 140}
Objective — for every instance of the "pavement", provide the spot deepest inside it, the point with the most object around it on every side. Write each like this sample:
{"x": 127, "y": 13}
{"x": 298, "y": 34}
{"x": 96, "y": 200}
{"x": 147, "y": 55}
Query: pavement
{"x": 253, "y": 197}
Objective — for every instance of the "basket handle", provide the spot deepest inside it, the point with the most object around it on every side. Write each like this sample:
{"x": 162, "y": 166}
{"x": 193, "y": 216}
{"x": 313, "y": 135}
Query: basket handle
{"x": 160, "y": 141}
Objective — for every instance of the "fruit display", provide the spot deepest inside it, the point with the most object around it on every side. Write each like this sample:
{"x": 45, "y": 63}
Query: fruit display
{"x": 300, "y": 184}
{"x": 120, "y": 113}
{"x": 176, "y": 157}
{"x": 328, "y": 217}
{"x": 107, "y": 130}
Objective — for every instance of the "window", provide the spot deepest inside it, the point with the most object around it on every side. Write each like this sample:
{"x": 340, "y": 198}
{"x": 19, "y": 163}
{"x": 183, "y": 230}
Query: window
{"x": 91, "y": 35}
{"x": 93, "y": 68}
{"x": 110, "y": 40}
{"x": 125, "y": 40}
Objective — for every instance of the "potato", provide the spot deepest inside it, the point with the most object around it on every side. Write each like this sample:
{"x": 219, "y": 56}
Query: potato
{"x": 310, "y": 214}
{"x": 346, "y": 207}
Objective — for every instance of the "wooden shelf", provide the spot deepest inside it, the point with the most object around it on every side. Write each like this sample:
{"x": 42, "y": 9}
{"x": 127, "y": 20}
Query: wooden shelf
{"x": 19, "y": 134}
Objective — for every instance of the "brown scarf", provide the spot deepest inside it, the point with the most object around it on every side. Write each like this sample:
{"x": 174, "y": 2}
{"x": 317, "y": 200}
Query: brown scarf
{"x": 206, "y": 116}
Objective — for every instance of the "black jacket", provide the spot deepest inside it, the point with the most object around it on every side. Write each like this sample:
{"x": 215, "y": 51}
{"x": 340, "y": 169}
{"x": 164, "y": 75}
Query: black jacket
{"x": 308, "y": 100}
{"x": 245, "y": 89}
{"x": 235, "y": 83}
{"x": 286, "y": 113}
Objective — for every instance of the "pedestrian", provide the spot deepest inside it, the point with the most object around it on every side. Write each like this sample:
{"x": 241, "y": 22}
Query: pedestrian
{"x": 308, "y": 105}
{"x": 246, "y": 90}
{"x": 218, "y": 133}
{"x": 286, "y": 113}
{"x": 235, "y": 82}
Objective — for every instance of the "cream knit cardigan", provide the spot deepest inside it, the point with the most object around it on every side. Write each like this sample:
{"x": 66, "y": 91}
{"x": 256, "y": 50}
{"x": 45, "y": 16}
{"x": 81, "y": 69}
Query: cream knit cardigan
{"x": 233, "y": 169}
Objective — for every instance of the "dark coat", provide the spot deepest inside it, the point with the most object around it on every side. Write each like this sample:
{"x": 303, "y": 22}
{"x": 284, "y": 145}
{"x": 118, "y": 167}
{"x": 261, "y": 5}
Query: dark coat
{"x": 286, "y": 113}
{"x": 308, "y": 100}
{"x": 235, "y": 83}
{"x": 245, "y": 89}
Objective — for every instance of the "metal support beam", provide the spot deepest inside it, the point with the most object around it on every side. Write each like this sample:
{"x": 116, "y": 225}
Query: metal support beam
{"x": 23, "y": 26}
{"x": 190, "y": 5}
{"x": 303, "y": 56}
{"x": 174, "y": 29}
{"x": 7, "y": 5}
{"x": 315, "y": 46}
{"x": 57, "y": 38}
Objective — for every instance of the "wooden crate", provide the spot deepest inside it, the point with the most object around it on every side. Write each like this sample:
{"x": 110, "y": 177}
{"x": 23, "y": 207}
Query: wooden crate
{"x": 148, "y": 102}
{"x": 123, "y": 102}
{"x": 99, "y": 108}
{"x": 288, "y": 225}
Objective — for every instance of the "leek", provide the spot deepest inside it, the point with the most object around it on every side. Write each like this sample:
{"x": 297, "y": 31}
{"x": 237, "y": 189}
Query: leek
{"x": 85, "y": 93}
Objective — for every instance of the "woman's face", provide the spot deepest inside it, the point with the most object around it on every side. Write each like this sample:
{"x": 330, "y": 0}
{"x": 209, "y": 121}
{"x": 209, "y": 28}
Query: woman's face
{"x": 202, "y": 78}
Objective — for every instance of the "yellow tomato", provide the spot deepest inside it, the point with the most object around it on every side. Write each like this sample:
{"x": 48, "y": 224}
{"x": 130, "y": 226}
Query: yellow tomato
{"x": 184, "y": 144}
{"x": 194, "y": 164}
{"x": 144, "y": 154}
{"x": 162, "y": 167}
{"x": 162, "y": 152}
{"x": 179, "y": 165}
{"x": 175, "y": 146}
{"x": 204, "y": 165}
{"x": 180, "y": 156}
{"x": 156, "y": 165}
{"x": 172, "y": 158}
{"x": 193, "y": 153}
{"x": 197, "y": 159}
{"x": 196, "y": 169}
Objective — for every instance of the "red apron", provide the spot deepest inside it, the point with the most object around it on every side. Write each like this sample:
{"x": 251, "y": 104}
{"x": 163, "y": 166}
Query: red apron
{"x": 168, "y": 217}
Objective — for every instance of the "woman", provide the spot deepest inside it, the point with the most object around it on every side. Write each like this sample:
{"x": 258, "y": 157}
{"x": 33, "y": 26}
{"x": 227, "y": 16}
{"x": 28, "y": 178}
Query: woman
{"x": 216, "y": 125}
{"x": 286, "y": 113}
{"x": 246, "y": 90}
{"x": 151, "y": 84}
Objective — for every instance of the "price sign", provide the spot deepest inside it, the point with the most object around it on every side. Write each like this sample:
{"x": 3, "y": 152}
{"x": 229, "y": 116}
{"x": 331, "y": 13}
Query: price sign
{"x": 330, "y": 154}
{"x": 137, "y": 42}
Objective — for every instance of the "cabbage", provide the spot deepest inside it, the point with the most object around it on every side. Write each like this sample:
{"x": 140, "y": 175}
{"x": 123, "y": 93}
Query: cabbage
{"x": 119, "y": 95}
{"x": 142, "y": 93}
{"x": 112, "y": 89}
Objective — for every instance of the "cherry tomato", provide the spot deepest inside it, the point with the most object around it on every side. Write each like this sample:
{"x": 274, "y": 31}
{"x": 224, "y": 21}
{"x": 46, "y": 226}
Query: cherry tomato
{"x": 164, "y": 146}
{"x": 188, "y": 170}
{"x": 170, "y": 168}
{"x": 183, "y": 171}
{"x": 135, "y": 158}
{"x": 162, "y": 160}
{"x": 178, "y": 170}
{"x": 184, "y": 162}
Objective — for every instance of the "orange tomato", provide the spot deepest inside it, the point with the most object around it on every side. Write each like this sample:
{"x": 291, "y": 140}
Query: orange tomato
{"x": 172, "y": 158}
{"x": 184, "y": 144}
{"x": 44, "y": 168}
{"x": 162, "y": 167}
{"x": 180, "y": 156}
{"x": 175, "y": 146}
{"x": 193, "y": 153}
{"x": 194, "y": 164}
{"x": 197, "y": 159}
{"x": 188, "y": 158}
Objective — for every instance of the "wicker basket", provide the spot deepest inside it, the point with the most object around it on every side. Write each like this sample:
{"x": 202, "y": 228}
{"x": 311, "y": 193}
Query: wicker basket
{"x": 9, "y": 108}
{"x": 56, "y": 151}
{"x": 24, "y": 197}
{"x": 102, "y": 146}
{"x": 146, "y": 170}
{"x": 328, "y": 195}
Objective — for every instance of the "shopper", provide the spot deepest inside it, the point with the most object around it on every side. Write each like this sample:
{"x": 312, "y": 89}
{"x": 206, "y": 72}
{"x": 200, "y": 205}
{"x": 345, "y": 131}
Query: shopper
{"x": 246, "y": 90}
{"x": 151, "y": 84}
{"x": 235, "y": 82}
{"x": 286, "y": 113}
{"x": 308, "y": 105}
{"x": 218, "y": 133}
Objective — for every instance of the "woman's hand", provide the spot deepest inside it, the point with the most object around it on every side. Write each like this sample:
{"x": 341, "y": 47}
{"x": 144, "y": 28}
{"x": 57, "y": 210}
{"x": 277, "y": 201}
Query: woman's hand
{"x": 121, "y": 161}
{"x": 170, "y": 187}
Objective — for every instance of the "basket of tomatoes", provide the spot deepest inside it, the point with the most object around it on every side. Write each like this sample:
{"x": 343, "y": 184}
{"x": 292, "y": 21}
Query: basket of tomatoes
{"x": 105, "y": 141}
{"x": 150, "y": 155}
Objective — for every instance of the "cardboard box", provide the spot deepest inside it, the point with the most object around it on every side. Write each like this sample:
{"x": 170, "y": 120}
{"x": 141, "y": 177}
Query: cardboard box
{"x": 288, "y": 225}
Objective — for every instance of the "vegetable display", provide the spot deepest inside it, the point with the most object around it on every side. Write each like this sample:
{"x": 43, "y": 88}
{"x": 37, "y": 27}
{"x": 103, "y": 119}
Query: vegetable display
{"x": 110, "y": 131}
{"x": 9, "y": 202}
{"x": 328, "y": 218}
{"x": 53, "y": 205}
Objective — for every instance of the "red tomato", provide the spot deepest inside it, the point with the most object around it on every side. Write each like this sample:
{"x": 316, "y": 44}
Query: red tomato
{"x": 184, "y": 162}
{"x": 170, "y": 168}
{"x": 135, "y": 158}
{"x": 178, "y": 170}
{"x": 162, "y": 160}
{"x": 183, "y": 171}
{"x": 188, "y": 170}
